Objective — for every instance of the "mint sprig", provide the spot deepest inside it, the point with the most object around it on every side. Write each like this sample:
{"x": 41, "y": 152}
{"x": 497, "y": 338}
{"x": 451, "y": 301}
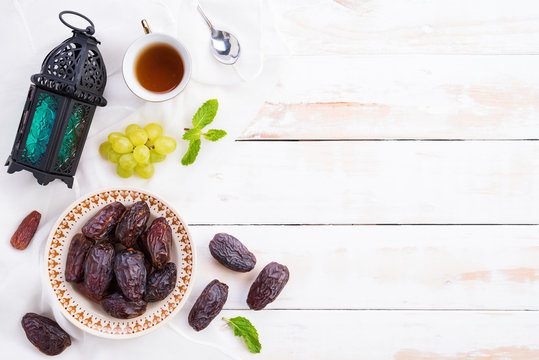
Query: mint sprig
{"x": 244, "y": 329}
{"x": 203, "y": 117}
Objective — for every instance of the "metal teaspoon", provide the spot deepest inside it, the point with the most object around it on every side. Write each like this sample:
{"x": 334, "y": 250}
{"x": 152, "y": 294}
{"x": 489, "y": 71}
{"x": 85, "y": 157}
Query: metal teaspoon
{"x": 225, "y": 46}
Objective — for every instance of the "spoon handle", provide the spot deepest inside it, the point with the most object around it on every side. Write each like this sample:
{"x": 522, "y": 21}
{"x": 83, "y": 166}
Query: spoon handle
{"x": 204, "y": 16}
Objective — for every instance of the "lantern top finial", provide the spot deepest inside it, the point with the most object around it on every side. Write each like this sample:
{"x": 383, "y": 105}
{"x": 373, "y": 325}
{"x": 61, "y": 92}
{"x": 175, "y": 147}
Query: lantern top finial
{"x": 75, "y": 68}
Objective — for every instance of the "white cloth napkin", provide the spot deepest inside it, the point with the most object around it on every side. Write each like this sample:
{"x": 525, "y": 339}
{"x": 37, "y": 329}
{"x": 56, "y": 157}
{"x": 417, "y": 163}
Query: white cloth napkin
{"x": 31, "y": 29}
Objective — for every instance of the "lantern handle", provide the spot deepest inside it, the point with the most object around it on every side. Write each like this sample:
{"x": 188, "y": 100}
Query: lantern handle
{"x": 90, "y": 30}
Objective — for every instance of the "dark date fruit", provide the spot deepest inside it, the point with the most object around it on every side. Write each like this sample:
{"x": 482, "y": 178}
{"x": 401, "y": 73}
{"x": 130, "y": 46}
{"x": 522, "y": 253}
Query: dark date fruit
{"x": 26, "y": 230}
{"x": 84, "y": 291}
{"x": 45, "y": 334}
{"x": 139, "y": 245}
{"x": 132, "y": 223}
{"x": 208, "y": 305}
{"x": 157, "y": 242}
{"x": 161, "y": 283}
{"x": 76, "y": 255}
{"x": 111, "y": 238}
{"x": 98, "y": 269}
{"x": 113, "y": 287}
{"x": 118, "y": 306}
{"x": 268, "y": 285}
{"x": 148, "y": 265}
{"x": 130, "y": 272}
{"x": 147, "y": 258}
{"x": 99, "y": 226}
{"x": 231, "y": 253}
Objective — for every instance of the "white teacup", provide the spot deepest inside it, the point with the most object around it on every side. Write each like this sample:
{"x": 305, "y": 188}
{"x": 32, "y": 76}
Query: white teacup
{"x": 134, "y": 51}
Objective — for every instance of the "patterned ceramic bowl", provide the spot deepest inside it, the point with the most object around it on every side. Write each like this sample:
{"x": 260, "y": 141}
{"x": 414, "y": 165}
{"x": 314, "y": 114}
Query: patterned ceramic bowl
{"x": 88, "y": 315}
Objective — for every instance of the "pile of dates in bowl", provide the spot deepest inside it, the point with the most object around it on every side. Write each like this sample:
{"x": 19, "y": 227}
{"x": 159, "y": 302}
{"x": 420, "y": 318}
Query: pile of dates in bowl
{"x": 122, "y": 260}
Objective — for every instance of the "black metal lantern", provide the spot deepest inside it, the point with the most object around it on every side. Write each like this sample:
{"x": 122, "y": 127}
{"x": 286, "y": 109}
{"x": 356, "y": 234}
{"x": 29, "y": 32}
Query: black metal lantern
{"x": 60, "y": 107}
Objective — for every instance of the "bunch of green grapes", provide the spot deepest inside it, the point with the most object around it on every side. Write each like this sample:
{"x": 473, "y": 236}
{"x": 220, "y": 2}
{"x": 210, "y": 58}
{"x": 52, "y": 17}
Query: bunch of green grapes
{"x": 137, "y": 149}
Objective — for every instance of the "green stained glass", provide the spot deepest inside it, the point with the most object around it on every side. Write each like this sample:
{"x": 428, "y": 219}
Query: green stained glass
{"x": 72, "y": 137}
{"x": 41, "y": 128}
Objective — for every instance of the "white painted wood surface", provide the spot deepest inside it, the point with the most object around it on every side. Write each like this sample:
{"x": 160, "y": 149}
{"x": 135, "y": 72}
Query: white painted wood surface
{"x": 362, "y": 182}
{"x": 402, "y": 97}
{"x": 314, "y": 27}
{"x": 385, "y": 70}
{"x": 364, "y": 71}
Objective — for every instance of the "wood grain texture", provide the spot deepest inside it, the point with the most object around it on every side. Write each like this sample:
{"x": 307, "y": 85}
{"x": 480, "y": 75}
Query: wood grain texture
{"x": 434, "y": 182}
{"x": 314, "y": 27}
{"x": 385, "y": 267}
{"x": 402, "y": 97}
{"x": 383, "y": 335}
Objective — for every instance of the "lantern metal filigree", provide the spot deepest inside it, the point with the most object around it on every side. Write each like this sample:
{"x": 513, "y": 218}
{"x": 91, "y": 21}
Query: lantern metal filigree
{"x": 60, "y": 107}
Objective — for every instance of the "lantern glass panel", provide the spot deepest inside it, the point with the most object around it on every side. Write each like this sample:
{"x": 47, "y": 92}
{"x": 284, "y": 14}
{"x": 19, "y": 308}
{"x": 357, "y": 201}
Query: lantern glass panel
{"x": 76, "y": 124}
{"x": 40, "y": 129}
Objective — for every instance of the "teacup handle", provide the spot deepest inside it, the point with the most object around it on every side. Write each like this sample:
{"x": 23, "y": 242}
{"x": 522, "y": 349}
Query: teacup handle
{"x": 146, "y": 26}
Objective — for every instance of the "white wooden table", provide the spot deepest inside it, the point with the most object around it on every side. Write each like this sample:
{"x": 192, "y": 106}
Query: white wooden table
{"x": 394, "y": 167}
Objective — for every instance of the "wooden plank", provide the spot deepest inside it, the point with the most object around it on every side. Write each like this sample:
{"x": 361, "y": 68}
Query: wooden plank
{"x": 385, "y": 267}
{"x": 344, "y": 182}
{"x": 410, "y": 182}
{"x": 323, "y": 335}
{"x": 406, "y": 96}
{"x": 382, "y": 335}
{"x": 411, "y": 27}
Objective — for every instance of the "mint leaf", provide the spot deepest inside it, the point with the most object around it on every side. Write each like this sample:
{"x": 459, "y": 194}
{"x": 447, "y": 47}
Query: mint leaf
{"x": 244, "y": 329}
{"x": 192, "y": 152}
{"x": 192, "y": 134}
{"x": 214, "y": 134}
{"x": 205, "y": 114}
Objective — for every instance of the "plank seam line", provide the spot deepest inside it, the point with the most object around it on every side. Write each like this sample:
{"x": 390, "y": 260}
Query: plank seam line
{"x": 379, "y": 309}
{"x": 376, "y": 224}
{"x": 394, "y": 54}
{"x": 381, "y": 139}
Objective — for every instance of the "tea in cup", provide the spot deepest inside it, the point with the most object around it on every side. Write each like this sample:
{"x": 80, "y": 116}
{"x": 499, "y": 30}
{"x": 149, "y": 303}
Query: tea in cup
{"x": 156, "y": 67}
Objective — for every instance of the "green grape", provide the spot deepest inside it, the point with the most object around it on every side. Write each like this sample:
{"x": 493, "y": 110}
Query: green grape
{"x": 154, "y": 131}
{"x": 104, "y": 149}
{"x": 130, "y": 128}
{"x": 141, "y": 154}
{"x": 115, "y": 136}
{"x": 164, "y": 145}
{"x": 127, "y": 161}
{"x": 125, "y": 173}
{"x": 114, "y": 156}
{"x": 122, "y": 145}
{"x": 145, "y": 171}
{"x": 155, "y": 157}
{"x": 138, "y": 137}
